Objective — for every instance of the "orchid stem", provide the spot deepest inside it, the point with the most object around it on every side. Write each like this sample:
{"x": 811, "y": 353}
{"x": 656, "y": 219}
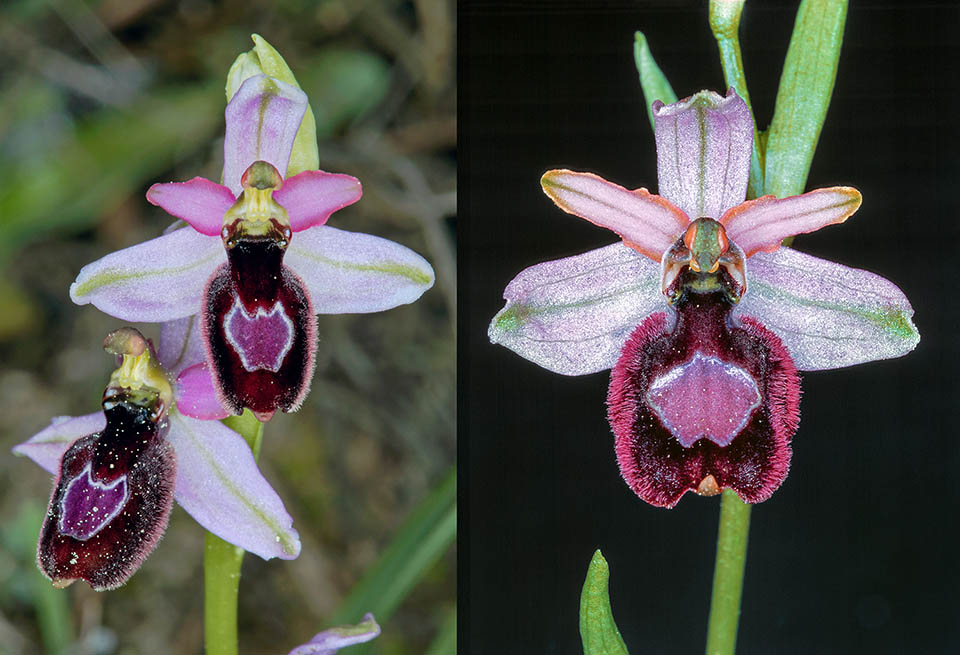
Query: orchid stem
{"x": 221, "y": 564}
{"x": 728, "y": 575}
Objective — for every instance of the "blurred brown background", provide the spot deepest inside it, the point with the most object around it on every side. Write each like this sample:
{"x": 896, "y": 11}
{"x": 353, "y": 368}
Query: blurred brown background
{"x": 101, "y": 98}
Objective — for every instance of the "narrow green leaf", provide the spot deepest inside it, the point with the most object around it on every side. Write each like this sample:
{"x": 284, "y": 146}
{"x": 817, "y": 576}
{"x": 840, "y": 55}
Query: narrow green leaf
{"x": 725, "y": 24}
{"x": 652, "y": 80}
{"x": 804, "y": 95}
{"x": 445, "y": 642}
{"x": 598, "y": 631}
{"x": 24, "y": 584}
{"x": 425, "y": 536}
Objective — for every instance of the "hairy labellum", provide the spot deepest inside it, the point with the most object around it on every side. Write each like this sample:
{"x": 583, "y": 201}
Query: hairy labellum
{"x": 259, "y": 325}
{"x": 703, "y": 404}
{"x": 111, "y": 499}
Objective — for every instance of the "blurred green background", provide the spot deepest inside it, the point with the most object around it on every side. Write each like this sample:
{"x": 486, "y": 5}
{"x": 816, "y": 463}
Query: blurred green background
{"x": 100, "y": 99}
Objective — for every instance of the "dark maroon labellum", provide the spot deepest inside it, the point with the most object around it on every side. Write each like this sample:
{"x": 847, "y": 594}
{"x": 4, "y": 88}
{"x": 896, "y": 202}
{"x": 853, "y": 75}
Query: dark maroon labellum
{"x": 260, "y": 327}
{"x": 704, "y": 404}
{"x": 111, "y": 500}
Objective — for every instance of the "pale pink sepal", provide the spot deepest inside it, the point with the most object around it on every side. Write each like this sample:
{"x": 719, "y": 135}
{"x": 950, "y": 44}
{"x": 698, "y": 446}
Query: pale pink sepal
{"x": 311, "y": 196}
{"x": 197, "y": 397}
{"x": 647, "y": 223}
{"x": 763, "y": 223}
{"x": 199, "y": 202}
{"x": 331, "y": 640}
{"x": 355, "y": 273}
{"x": 572, "y": 316}
{"x": 703, "y": 152}
{"x": 48, "y": 446}
{"x": 181, "y": 344}
{"x": 220, "y": 486}
{"x": 155, "y": 281}
{"x": 262, "y": 122}
{"x": 826, "y": 314}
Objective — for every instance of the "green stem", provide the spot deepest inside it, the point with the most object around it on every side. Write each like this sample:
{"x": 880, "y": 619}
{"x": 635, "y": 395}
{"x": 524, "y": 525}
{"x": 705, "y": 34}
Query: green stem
{"x": 725, "y": 24}
{"x": 221, "y": 564}
{"x": 728, "y": 575}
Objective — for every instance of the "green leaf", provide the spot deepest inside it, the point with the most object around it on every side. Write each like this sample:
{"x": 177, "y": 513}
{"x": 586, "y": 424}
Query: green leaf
{"x": 652, "y": 80}
{"x": 445, "y": 642}
{"x": 109, "y": 158}
{"x": 804, "y": 95}
{"x": 24, "y": 585}
{"x": 347, "y": 84}
{"x": 597, "y": 628}
{"x": 725, "y": 24}
{"x": 424, "y": 537}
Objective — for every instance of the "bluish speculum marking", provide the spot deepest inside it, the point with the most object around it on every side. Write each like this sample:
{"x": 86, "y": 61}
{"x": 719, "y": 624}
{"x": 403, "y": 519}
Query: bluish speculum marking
{"x": 89, "y": 505}
{"x": 262, "y": 339}
{"x": 705, "y": 398}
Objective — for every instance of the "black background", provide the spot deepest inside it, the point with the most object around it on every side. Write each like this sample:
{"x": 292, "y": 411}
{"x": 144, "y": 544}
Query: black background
{"x": 856, "y": 552}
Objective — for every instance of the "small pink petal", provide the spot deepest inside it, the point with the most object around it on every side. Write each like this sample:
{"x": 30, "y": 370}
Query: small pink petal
{"x": 196, "y": 395}
{"x": 47, "y": 446}
{"x": 262, "y": 122}
{"x": 703, "y": 152}
{"x": 648, "y": 223}
{"x": 199, "y": 202}
{"x": 763, "y": 223}
{"x": 312, "y": 196}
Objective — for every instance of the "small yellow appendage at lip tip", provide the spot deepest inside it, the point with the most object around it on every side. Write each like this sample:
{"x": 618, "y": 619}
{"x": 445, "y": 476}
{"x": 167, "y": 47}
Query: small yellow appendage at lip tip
{"x": 708, "y": 486}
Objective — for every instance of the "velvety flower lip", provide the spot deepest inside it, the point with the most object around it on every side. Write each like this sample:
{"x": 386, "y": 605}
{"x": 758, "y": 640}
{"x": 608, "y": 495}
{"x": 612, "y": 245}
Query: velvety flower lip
{"x": 164, "y": 279}
{"x": 703, "y": 316}
{"x": 218, "y": 481}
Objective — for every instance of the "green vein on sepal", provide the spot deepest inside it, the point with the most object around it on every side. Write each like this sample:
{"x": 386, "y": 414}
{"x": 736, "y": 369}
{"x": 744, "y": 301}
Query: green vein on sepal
{"x": 652, "y": 80}
{"x": 285, "y": 541}
{"x": 518, "y": 314}
{"x": 598, "y": 630}
{"x": 112, "y": 276}
{"x": 893, "y": 321}
{"x": 412, "y": 273}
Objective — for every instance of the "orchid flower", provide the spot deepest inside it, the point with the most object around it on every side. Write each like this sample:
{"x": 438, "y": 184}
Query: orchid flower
{"x": 256, "y": 261}
{"x": 118, "y": 471}
{"x": 702, "y": 315}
